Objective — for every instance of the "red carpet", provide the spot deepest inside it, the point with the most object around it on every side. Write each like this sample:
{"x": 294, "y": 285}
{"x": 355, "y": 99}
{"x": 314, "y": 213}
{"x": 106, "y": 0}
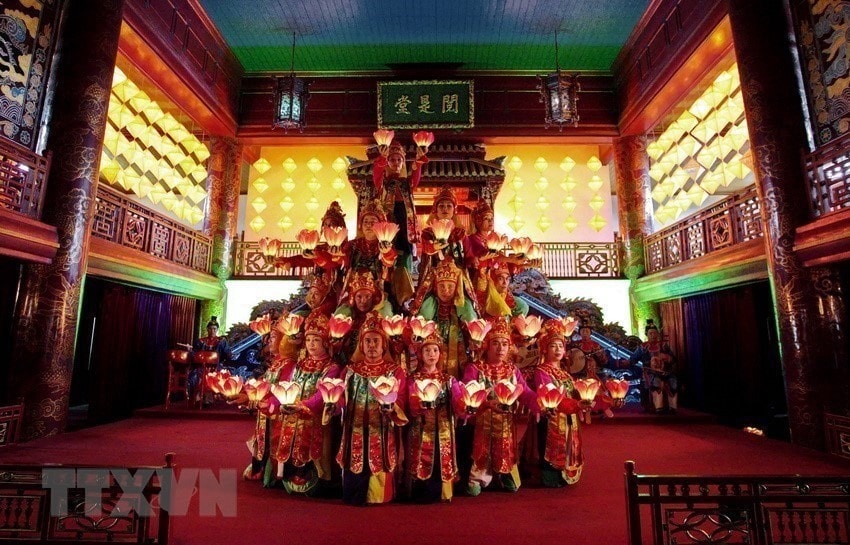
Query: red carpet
{"x": 592, "y": 512}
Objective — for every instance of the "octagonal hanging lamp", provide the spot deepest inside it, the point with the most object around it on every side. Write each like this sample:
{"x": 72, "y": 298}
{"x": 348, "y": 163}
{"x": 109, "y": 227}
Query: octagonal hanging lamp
{"x": 290, "y": 98}
{"x": 559, "y": 92}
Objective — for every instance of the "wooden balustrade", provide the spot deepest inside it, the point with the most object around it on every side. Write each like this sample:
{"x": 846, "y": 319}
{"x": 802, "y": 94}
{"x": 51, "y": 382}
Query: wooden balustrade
{"x": 732, "y": 221}
{"x": 828, "y": 175}
{"x": 125, "y": 222}
{"x": 23, "y": 174}
{"x": 561, "y": 260}
{"x": 753, "y": 509}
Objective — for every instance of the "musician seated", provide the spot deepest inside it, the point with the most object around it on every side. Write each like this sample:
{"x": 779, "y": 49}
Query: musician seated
{"x": 659, "y": 376}
{"x": 587, "y": 360}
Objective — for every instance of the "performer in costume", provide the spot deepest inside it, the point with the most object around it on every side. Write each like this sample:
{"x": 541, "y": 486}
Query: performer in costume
{"x": 302, "y": 453}
{"x": 368, "y": 454}
{"x": 494, "y": 445}
{"x": 431, "y": 454}
{"x": 497, "y": 300}
{"x": 364, "y": 297}
{"x": 434, "y": 250}
{"x": 213, "y": 342}
{"x": 478, "y": 256}
{"x": 658, "y": 369}
{"x": 447, "y": 305}
{"x": 558, "y": 432}
{"x": 594, "y": 355}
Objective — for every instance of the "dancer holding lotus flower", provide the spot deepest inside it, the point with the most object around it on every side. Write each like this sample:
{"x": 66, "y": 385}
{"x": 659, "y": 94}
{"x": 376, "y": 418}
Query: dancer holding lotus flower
{"x": 494, "y": 446}
{"x": 431, "y": 460}
{"x": 558, "y": 432}
{"x": 372, "y": 410}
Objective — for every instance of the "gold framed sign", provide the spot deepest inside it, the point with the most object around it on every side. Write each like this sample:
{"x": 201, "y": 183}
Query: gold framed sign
{"x": 426, "y": 104}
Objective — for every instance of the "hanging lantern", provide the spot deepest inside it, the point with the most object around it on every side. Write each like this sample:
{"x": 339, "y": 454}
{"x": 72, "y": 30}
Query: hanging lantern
{"x": 290, "y": 99}
{"x": 559, "y": 92}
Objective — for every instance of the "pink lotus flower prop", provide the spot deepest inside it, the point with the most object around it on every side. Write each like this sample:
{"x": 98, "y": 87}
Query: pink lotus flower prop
{"x": 290, "y": 324}
{"x": 527, "y": 326}
{"x": 262, "y": 325}
{"x": 550, "y": 396}
{"x": 256, "y": 390}
{"x": 478, "y": 329}
{"x": 269, "y": 247}
{"x": 496, "y": 242}
{"x": 423, "y": 139}
{"x": 618, "y": 388}
{"x": 587, "y": 389}
{"x": 507, "y": 392}
{"x": 473, "y": 394}
{"x": 427, "y": 390}
{"x": 421, "y": 328}
{"x": 212, "y": 382}
{"x": 339, "y": 325}
{"x": 384, "y": 389}
{"x": 308, "y": 239}
{"x": 534, "y": 252}
{"x": 394, "y": 325}
{"x": 383, "y": 137}
{"x": 521, "y": 245}
{"x": 569, "y": 324}
{"x": 335, "y": 236}
{"x": 231, "y": 386}
{"x": 269, "y": 405}
{"x": 331, "y": 390}
{"x": 286, "y": 392}
{"x": 442, "y": 229}
{"x": 385, "y": 231}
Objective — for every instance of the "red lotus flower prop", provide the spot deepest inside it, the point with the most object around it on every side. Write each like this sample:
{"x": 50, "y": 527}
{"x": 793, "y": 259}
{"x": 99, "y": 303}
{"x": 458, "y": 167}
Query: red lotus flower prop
{"x": 473, "y": 393}
{"x": 269, "y": 405}
{"x": 423, "y": 139}
{"x": 478, "y": 329}
{"x": 507, "y": 392}
{"x": 262, "y": 325}
{"x": 496, "y": 242}
{"x": 394, "y": 325}
{"x": 442, "y": 229}
{"x": 290, "y": 324}
{"x": 269, "y": 247}
{"x": 587, "y": 389}
{"x": 383, "y": 137}
{"x": 421, "y": 328}
{"x": 231, "y": 386}
{"x": 534, "y": 252}
{"x": 527, "y": 326}
{"x": 331, "y": 390}
{"x": 256, "y": 390}
{"x": 385, "y": 231}
{"x": 618, "y": 388}
{"x": 550, "y": 396}
{"x": 339, "y": 325}
{"x": 308, "y": 239}
{"x": 427, "y": 390}
{"x": 286, "y": 392}
{"x": 384, "y": 389}
{"x": 212, "y": 382}
{"x": 335, "y": 236}
{"x": 521, "y": 245}
{"x": 569, "y": 324}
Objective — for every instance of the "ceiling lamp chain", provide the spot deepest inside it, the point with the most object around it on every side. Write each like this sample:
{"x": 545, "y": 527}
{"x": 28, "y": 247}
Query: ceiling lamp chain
{"x": 291, "y": 94}
{"x": 559, "y": 92}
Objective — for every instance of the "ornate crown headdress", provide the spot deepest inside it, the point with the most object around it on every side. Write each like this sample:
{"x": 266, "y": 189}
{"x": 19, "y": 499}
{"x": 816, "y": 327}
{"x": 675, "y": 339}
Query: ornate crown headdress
{"x": 361, "y": 279}
{"x": 552, "y": 330}
{"x": 373, "y": 208}
{"x": 335, "y": 215}
{"x": 317, "y": 324}
{"x": 501, "y": 329}
{"x": 480, "y": 210}
{"x": 445, "y": 194}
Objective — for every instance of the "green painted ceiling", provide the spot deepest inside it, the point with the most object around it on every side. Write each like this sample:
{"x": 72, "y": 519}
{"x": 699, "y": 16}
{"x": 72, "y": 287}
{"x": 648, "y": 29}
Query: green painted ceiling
{"x": 481, "y": 35}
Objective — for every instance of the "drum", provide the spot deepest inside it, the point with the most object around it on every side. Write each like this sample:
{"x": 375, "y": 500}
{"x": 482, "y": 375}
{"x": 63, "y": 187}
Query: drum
{"x": 205, "y": 357}
{"x": 577, "y": 361}
{"x": 178, "y": 356}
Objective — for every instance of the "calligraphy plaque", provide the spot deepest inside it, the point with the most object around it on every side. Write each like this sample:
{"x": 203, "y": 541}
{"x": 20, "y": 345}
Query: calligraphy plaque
{"x": 426, "y": 104}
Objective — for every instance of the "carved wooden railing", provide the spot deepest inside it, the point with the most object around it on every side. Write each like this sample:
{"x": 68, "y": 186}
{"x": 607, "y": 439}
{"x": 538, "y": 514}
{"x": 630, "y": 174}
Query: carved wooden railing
{"x": 732, "y": 221}
{"x": 837, "y": 435}
{"x": 85, "y": 504}
{"x": 752, "y": 509}
{"x": 23, "y": 174}
{"x": 561, "y": 260}
{"x": 828, "y": 176}
{"x": 125, "y": 222}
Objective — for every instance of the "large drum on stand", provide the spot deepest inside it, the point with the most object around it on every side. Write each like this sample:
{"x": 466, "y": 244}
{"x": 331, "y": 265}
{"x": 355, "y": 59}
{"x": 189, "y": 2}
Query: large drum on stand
{"x": 576, "y": 362}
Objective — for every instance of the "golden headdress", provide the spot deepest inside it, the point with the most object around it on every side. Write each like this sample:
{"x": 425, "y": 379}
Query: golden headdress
{"x": 552, "y": 330}
{"x": 480, "y": 210}
{"x": 447, "y": 271}
{"x": 501, "y": 329}
{"x": 445, "y": 194}
{"x": 361, "y": 279}
{"x": 371, "y": 324}
{"x": 334, "y": 215}
{"x": 373, "y": 208}
{"x": 317, "y": 324}
{"x": 396, "y": 149}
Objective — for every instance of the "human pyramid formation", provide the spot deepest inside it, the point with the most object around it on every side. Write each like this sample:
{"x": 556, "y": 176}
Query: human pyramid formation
{"x": 412, "y": 392}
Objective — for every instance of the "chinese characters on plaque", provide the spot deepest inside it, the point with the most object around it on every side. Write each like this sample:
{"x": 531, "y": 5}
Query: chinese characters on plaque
{"x": 425, "y": 104}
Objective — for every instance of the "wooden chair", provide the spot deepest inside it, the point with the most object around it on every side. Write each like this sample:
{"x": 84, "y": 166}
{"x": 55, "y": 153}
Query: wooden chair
{"x": 178, "y": 375}
{"x": 11, "y": 417}
{"x": 206, "y": 361}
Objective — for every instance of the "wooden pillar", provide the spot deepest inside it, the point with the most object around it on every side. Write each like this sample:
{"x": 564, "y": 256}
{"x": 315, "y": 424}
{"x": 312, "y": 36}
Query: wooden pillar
{"x": 775, "y": 119}
{"x": 48, "y": 309}
{"x": 631, "y": 164}
{"x": 224, "y": 178}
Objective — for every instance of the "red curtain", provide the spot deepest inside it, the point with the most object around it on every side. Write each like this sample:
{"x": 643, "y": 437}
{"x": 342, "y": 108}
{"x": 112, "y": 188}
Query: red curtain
{"x": 130, "y": 331}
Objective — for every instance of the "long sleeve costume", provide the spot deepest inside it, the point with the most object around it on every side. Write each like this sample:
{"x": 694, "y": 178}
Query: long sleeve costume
{"x": 559, "y": 436}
